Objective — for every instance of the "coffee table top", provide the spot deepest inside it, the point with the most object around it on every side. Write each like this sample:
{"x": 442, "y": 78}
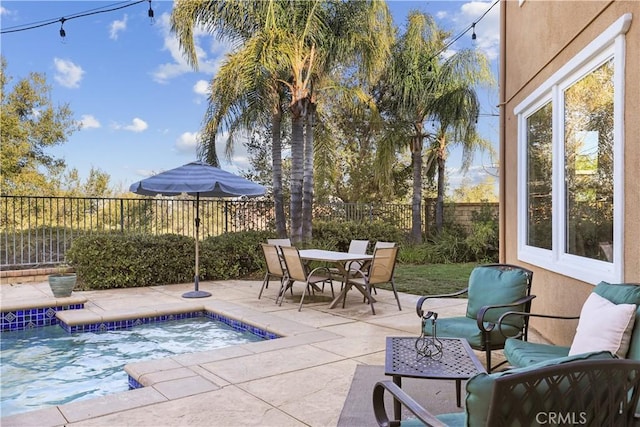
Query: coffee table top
{"x": 458, "y": 360}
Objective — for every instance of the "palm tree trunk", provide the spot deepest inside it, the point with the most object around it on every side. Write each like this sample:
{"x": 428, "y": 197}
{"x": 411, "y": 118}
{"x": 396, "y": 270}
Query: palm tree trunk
{"x": 276, "y": 158}
{"x": 307, "y": 194}
{"x": 297, "y": 168}
{"x": 441, "y": 157}
{"x": 416, "y": 203}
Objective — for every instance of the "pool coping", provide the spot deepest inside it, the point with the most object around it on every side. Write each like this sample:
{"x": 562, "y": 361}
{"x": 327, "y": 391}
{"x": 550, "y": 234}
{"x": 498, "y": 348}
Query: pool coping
{"x": 173, "y": 377}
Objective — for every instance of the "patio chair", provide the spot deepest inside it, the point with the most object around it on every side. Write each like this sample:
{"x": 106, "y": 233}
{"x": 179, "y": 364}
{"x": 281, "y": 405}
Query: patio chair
{"x": 380, "y": 271}
{"x": 296, "y": 271}
{"x": 355, "y": 247}
{"x": 493, "y": 290}
{"x": 592, "y": 389}
{"x": 277, "y": 243}
{"x": 274, "y": 266}
{"x": 378, "y": 245}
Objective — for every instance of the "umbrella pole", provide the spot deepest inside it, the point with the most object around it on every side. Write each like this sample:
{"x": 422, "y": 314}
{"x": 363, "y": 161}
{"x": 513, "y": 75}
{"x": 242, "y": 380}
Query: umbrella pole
{"x": 197, "y": 293}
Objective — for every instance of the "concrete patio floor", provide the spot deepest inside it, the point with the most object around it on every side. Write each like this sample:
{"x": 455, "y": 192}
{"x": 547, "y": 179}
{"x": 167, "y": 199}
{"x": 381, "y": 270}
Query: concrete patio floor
{"x": 301, "y": 379}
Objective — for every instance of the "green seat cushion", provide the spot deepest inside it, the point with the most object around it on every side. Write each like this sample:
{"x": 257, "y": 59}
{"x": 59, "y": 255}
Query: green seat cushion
{"x": 480, "y": 387}
{"x": 457, "y": 419}
{"x": 523, "y": 353}
{"x": 623, "y": 293}
{"x": 492, "y": 286}
{"x": 464, "y": 327}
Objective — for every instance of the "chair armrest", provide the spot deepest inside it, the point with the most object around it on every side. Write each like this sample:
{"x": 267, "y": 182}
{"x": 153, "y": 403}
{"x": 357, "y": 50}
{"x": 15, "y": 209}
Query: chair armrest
{"x": 483, "y": 311}
{"x": 521, "y": 313}
{"x": 421, "y": 301}
{"x": 406, "y": 401}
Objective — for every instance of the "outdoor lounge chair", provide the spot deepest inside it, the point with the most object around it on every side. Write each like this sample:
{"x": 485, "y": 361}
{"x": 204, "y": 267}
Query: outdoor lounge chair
{"x": 590, "y": 389}
{"x": 519, "y": 353}
{"x": 493, "y": 290}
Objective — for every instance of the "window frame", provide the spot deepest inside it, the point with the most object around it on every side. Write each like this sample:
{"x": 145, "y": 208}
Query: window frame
{"x": 609, "y": 44}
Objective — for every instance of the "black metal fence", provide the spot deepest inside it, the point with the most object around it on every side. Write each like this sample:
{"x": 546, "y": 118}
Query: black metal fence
{"x": 37, "y": 231}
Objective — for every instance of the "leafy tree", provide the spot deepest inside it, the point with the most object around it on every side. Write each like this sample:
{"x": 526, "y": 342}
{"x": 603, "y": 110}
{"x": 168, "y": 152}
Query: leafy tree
{"x": 482, "y": 192}
{"x": 29, "y": 124}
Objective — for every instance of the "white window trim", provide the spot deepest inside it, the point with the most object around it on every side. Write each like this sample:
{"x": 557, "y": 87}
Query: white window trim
{"x": 610, "y": 43}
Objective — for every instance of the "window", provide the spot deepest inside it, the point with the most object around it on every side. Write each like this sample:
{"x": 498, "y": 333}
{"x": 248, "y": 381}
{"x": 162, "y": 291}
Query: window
{"x": 570, "y": 178}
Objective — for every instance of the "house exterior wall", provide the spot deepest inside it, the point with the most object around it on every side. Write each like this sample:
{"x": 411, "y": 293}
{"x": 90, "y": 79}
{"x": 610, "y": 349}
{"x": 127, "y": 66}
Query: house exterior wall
{"x": 538, "y": 37}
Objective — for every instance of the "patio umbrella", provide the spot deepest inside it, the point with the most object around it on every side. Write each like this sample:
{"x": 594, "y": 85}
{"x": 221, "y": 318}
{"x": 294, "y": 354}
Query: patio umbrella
{"x": 197, "y": 179}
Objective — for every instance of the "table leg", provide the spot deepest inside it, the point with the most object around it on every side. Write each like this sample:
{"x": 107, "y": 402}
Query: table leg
{"x": 397, "y": 408}
{"x": 458, "y": 390}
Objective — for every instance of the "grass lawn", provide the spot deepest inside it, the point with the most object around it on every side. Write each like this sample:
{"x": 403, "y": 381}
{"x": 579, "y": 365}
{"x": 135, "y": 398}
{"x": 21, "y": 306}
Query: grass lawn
{"x": 431, "y": 279}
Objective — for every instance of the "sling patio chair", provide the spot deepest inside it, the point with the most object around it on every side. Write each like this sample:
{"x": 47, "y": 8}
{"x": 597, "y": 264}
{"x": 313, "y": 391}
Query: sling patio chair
{"x": 297, "y": 272}
{"x": 493, "y": 290}
{"x": 380, "y": 271}
{"x": 355, "y": 247}
{"x": 274, "y": 266}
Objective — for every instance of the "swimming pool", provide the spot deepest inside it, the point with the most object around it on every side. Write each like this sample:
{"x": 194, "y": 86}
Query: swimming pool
{"x": 47, "y": 366}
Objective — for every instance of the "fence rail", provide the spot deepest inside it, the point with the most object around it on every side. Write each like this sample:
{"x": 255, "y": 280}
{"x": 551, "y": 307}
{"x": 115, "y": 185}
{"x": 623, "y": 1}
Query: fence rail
{"x": 37, "y": 231}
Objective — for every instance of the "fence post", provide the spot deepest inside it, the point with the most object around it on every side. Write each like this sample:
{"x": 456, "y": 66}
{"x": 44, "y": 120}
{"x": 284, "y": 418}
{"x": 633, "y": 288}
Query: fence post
{"x": 122, "y": 215}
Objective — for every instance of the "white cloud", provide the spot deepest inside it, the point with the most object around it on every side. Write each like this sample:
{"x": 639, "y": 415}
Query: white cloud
{"x": 87, "y": 121}
{"x": 188, "y": 142}
{"x": 67, "y": 74}
{"x": 201, "y": 87}
{"x": 179, "y": 66}
{"x": 4, "y": 11}
{"x": 117, "y": 27}
{"x": 137, "y": 125}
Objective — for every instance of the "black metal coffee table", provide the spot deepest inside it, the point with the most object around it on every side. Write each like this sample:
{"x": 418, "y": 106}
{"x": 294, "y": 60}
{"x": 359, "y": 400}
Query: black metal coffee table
{"x": 458, "y": 362}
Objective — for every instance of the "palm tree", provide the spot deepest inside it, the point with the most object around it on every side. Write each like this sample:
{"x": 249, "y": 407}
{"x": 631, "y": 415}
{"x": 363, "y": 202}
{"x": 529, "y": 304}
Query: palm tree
{"x": 243, "y": 93}
{"x": 294, "y": 42}
{"x": 421, "y": 87}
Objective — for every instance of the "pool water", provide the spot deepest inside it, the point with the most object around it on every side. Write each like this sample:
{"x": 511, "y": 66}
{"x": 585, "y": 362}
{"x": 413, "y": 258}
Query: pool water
{"x": 47, "y": 366}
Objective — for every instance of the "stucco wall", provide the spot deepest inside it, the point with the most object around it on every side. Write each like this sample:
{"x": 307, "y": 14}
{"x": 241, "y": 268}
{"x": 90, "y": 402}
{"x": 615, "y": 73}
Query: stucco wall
{"x": 539, "y": 37}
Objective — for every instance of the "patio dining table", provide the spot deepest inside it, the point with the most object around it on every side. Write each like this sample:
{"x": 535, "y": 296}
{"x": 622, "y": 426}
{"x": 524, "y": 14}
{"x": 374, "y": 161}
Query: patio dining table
{"x": 339, "y": 259}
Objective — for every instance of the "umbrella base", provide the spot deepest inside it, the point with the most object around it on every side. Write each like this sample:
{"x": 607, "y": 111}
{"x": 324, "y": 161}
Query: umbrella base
{"x": 196, "y": 294}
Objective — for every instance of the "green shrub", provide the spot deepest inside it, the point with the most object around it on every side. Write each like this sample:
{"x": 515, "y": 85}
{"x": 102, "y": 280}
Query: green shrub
{"x": 233, "y": 255}
{"x": 337, "y": 235}
{"x": 116, "y": 260}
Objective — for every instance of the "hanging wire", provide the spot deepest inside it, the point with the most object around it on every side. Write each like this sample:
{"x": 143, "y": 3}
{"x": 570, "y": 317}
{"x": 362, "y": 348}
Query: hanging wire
{"x": 111, "y": 8}
{"x": 465, "y": 31}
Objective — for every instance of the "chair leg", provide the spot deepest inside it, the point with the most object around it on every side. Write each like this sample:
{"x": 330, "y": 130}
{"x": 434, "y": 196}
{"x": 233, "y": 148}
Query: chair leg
{"x": 487, "y": 350}
{"x": 304, "y": 291}
{"x": 265, "y": 284}
{"x": 368, "y": 290}
{"x": 395, "y": 292}
{"x": 286, "y": 284}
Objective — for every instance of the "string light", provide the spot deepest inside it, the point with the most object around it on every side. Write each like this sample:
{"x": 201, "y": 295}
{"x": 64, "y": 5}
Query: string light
{"x": 111, "y": 8}
{"x": 466, "y": 30}
{"x": 150, "y": 13}
{"x": 63, "y": 33}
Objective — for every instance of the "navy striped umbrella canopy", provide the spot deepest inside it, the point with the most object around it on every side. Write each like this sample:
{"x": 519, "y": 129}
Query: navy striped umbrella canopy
{"x": 197, "y": 179}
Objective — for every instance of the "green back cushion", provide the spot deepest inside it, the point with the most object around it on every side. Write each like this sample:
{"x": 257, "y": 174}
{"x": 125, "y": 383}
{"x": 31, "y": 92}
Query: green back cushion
{"x": 623, "y": 293}
{"x": 492, "y": 286}
{"x": 480, "y": 387}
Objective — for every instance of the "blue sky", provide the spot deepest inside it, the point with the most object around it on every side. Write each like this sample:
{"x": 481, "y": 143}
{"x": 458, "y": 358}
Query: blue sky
{"x": 141, "y": 105}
